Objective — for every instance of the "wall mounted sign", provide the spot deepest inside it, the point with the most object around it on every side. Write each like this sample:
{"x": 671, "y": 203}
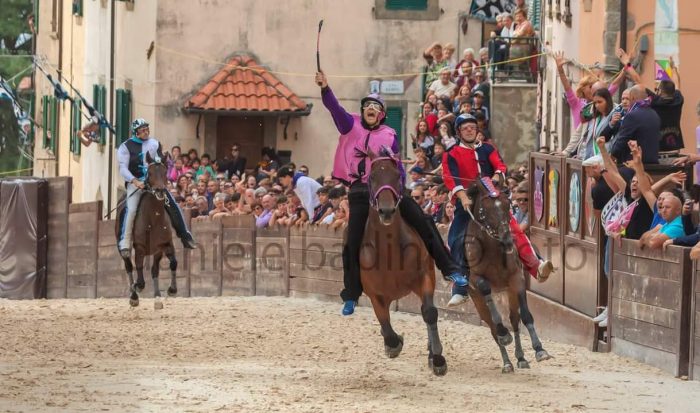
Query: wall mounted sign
{"x": 392, "y": 87}
{"x": 538, "y": 196}
{"x": 574, "y": 201}
{"x": 553, "y": 219}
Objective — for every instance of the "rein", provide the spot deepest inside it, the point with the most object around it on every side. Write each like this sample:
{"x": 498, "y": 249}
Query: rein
{"x": 373, "y": 200}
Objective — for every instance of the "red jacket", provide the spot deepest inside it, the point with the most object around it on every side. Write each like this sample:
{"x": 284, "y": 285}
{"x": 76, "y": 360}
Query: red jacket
{"x": 468, "y": 164}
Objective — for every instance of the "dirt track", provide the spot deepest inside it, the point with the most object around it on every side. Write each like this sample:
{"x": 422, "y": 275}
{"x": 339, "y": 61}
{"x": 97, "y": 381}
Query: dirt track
{"x": 279, "y": 354}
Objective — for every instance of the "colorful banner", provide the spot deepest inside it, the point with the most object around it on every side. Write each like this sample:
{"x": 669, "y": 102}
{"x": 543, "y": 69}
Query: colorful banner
{"x": 666, "y": 38}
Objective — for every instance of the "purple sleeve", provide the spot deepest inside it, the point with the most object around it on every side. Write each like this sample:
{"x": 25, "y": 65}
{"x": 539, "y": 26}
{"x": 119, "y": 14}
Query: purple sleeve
{"x": 263, "y": 220}
{"x": 343, "y": 120}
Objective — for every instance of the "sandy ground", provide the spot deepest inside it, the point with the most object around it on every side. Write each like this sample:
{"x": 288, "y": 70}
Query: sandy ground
{"x": 297, "y": 355}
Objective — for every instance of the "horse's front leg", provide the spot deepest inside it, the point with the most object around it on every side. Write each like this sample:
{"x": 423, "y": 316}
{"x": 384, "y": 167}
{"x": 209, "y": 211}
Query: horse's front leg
{"x": 436, "y": 361}
{"x": 393, "y": 343}
{"x": 503, "y": 336}
{"x": 140, "y": 282}
{"x": 134, "y": 297}
{"x": 514, "y": 313}
{"x": 172, "y": 290}
{"x": 485, "y": 314}
{"x": 155, "y": 271}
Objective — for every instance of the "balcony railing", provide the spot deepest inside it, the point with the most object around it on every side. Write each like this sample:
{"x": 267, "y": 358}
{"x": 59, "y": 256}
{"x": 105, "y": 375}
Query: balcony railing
{"x": 513, "y": 59}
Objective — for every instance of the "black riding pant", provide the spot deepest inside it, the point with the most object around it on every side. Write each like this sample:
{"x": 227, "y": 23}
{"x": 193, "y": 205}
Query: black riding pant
{"x": 411, "y": 212}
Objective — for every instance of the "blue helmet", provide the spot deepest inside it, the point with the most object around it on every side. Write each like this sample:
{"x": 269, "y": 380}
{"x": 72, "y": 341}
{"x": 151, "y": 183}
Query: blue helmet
{"x": 465, "y": 117}
{"x": 137, "y": 124}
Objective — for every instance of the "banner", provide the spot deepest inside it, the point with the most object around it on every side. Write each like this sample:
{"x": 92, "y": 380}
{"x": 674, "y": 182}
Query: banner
{"x": 665, "y": 38}
{"x": 488, "y": 9}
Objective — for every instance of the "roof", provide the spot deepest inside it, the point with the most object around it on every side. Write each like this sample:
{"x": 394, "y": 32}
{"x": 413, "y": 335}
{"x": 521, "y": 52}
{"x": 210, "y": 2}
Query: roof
{"x": 244, "y": 86}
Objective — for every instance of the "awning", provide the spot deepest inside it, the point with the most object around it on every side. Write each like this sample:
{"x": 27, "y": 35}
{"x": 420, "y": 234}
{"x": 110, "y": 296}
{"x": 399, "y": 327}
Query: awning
{"x": 244, "y": 88}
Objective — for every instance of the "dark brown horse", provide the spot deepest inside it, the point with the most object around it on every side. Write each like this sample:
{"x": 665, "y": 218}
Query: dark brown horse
{"x": 495, "y": 266}
{"x": 394, "y": 261}
{"x": 152, "y": 233}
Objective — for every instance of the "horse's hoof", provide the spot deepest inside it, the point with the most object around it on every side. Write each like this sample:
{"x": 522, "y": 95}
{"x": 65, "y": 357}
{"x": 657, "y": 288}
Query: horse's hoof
{"x": 438, "y": 364}
{"x": 134, "y": 302}
{"x": 523, "y": 364}
{"x": 172, "y": 292}
{"x": 157, "y": 305}
{"x": 505, "y": 340}
{"x": 508, "y": 368}
{"x": 393, "y": 352}
{"x": 542, "y": 355}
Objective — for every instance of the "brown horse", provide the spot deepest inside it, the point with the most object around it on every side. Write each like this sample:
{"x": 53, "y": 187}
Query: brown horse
{"x": 152, "y": 233}
{"x": 394, "y": 261}
{"x": 495, "y": 265}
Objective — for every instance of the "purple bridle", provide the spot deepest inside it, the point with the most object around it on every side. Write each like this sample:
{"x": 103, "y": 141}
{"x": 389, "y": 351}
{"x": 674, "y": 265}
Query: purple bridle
{"x": 373, "y": 196}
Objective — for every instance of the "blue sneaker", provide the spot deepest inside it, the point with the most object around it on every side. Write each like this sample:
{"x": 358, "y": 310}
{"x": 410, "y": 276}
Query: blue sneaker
{"x": 349, "y": 307}
{"x": 459, "y": 279}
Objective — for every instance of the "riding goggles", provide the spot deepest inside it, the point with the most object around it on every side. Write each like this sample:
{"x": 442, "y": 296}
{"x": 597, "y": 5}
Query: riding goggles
{"x": 373, "y": 105}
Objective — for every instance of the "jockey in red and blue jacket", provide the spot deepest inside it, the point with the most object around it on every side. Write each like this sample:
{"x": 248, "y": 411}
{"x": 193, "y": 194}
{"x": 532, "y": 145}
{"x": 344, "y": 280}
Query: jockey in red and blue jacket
{"x": 360, "y": 133}
{"x": 463, "y": 164}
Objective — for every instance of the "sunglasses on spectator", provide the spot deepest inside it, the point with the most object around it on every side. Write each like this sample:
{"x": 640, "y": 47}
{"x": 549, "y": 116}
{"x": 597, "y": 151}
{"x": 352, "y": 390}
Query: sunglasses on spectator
{"x": 373, "y": 105}
{"x": 304, "y": 171}
{"x": 521, "y": 200}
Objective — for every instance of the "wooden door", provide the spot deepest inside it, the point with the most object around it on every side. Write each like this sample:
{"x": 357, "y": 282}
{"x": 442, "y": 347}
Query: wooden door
{"x": 246, "y": 131}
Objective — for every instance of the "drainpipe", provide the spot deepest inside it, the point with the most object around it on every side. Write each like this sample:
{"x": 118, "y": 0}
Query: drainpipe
{"x": 59, "y": 16}
{"x": 110, "y": 141}
{"x": 623, "y": 35}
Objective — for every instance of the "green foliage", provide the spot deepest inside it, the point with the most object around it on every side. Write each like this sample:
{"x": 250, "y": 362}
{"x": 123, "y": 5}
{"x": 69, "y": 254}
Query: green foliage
{"x": 13, "y": 20}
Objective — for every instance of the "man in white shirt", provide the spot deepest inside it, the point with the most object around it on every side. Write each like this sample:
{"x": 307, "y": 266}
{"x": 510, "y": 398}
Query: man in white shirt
{"x": 443, "y": 86}
{"x": 304, "y": 187}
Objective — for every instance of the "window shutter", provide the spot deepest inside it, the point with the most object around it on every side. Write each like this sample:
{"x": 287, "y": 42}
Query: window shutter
{"x": 99, "y": 102}
{"x": 394, "y": 119}
{"x": 406, "y": 4}
{"x": 76, "y": 123}
{"x": 45, "y": 120}
{"x": 78, "y": 8}
{"x": 123, "y": 115}
{"x": 53, "y": 123}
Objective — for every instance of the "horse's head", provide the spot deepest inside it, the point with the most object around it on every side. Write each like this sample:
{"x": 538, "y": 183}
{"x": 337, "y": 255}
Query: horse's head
{"x": 156, "y": 174}
{"x": 491, "y": 208}
{"x": 385, "y": 186}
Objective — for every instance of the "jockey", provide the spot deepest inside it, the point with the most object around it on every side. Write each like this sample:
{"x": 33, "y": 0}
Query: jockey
{"x": 461, "y": 166}
{"x": 360, "y": 133}
{"x": 132, "y": 167}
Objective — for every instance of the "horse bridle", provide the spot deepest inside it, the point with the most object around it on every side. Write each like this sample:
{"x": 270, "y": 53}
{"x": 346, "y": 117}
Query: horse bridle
{"x": 159, "y": 194}
{"x": 482, "y": 222}
{"x": 373, "y": 196}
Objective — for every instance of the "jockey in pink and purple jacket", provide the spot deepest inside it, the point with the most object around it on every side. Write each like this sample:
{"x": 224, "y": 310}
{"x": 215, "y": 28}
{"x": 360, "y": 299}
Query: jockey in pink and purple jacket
{"x": 360, "y": 133}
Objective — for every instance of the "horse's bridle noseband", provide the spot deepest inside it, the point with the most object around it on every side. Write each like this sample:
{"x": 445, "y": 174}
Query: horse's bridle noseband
{"x": 373, "y": 196}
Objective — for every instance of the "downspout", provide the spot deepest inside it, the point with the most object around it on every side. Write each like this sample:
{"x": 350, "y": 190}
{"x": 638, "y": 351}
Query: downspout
{"x": 60, "y": 77}
{"x": 623, "y": 35}
{"x": 110, "y": 142}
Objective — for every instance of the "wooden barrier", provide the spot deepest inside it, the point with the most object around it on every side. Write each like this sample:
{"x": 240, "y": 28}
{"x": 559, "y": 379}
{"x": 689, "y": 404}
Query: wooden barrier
{"x": 271, "y": 261}
{"x": 83, "y": 220}
{"x": 649, "y": 314}
{"x": 694, "y": 350}
{"x": 238, "y": 268}
{"x": 316, "y": 262}
{"x": 60, "y": 190}
{"x": 204, "y": 263}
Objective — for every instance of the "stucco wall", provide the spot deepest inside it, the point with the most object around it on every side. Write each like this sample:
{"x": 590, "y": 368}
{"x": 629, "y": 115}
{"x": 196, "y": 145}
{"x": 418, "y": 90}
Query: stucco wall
{"x": 513, "y": 121}
{"x": 354, "y": 45}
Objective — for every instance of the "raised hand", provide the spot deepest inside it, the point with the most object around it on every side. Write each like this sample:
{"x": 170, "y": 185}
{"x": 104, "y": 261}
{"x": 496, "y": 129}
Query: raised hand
{"x": 559, "y": 58}
{"x": 623, "y": 56}
{"x": 678, "y": 178}
{"x": 321, "y": 79}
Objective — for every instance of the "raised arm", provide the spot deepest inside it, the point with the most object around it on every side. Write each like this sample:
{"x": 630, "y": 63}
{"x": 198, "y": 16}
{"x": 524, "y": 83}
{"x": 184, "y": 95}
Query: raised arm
{"x": 613, "y": 178}
{"x": 343, "y": 120}
{"x": 560, "y": 60}
{"x": 643, "y": 181}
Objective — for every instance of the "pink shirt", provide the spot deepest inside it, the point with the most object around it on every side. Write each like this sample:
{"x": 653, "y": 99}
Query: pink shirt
{"x": 576, "y": 103}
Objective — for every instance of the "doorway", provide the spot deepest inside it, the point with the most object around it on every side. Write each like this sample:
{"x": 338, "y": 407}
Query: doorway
{"x": 246, "y": 131}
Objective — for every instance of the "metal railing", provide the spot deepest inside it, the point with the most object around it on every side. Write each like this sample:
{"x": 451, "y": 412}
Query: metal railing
{"x": 510, "y": 61}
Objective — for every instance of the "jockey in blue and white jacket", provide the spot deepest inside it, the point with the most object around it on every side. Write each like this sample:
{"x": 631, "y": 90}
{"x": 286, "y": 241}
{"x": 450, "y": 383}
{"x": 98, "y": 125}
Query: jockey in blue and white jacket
{"x": 131, "y": 156}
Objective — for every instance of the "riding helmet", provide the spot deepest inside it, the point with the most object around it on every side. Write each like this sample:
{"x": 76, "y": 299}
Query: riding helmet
{"x": 463, "y": 118}
{"x": 137, "y": 124}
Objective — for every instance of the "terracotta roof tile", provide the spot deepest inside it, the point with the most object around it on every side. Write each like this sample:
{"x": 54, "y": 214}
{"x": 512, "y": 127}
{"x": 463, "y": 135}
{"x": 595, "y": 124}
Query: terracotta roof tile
{"x": 246, "y": 86}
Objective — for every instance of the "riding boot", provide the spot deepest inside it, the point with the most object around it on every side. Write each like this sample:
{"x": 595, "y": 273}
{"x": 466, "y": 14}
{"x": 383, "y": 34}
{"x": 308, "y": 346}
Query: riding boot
{"x": 358, "y": 199}
{"x": 526, "y": 253}
{"x": 178, "y": 222}
{"x": 424, "y": 225}
{"x": 455, "y": 240}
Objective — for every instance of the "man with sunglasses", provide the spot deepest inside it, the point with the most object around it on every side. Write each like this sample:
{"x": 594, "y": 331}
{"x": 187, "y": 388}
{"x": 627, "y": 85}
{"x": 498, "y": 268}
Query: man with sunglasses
{"x": 360, "y": 133}
{"x": 235, "y": 164}
{"x": 131, "y": 156}
{"x": 461, "y": 165}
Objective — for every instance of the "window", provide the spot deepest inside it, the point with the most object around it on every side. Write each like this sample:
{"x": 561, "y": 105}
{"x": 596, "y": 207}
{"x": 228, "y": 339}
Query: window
{"x": 406, "y": 4}
{"x": 76, "y": 123}
{"x": 54, "y": 17}
{"x": 407, "y": 9}
{"x": 394, "y": 119}
{"x": 99, "y": 102}
{"x": 566, "y": 13}
{"x": 78, "y": 8}
{"x": 123, "y": 115}
{"x": 49, "y": 106}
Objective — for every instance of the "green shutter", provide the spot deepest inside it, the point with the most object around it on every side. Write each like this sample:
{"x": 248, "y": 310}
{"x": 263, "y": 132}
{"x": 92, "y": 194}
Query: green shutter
{"x": 76, "y": 123}
{"x": 123, "y": 115}
{"x": 394, "y": 119}
{"x": 78, "y": 8}
{"x": 406, "y": 4}
{"x": 45, "y": 121}
{"x": 52, "y": 137}
{"x": 99, "y": 102}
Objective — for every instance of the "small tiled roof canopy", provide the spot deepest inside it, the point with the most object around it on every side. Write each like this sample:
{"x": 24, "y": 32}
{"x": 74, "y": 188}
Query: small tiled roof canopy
{"x": 244, "y": 86}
